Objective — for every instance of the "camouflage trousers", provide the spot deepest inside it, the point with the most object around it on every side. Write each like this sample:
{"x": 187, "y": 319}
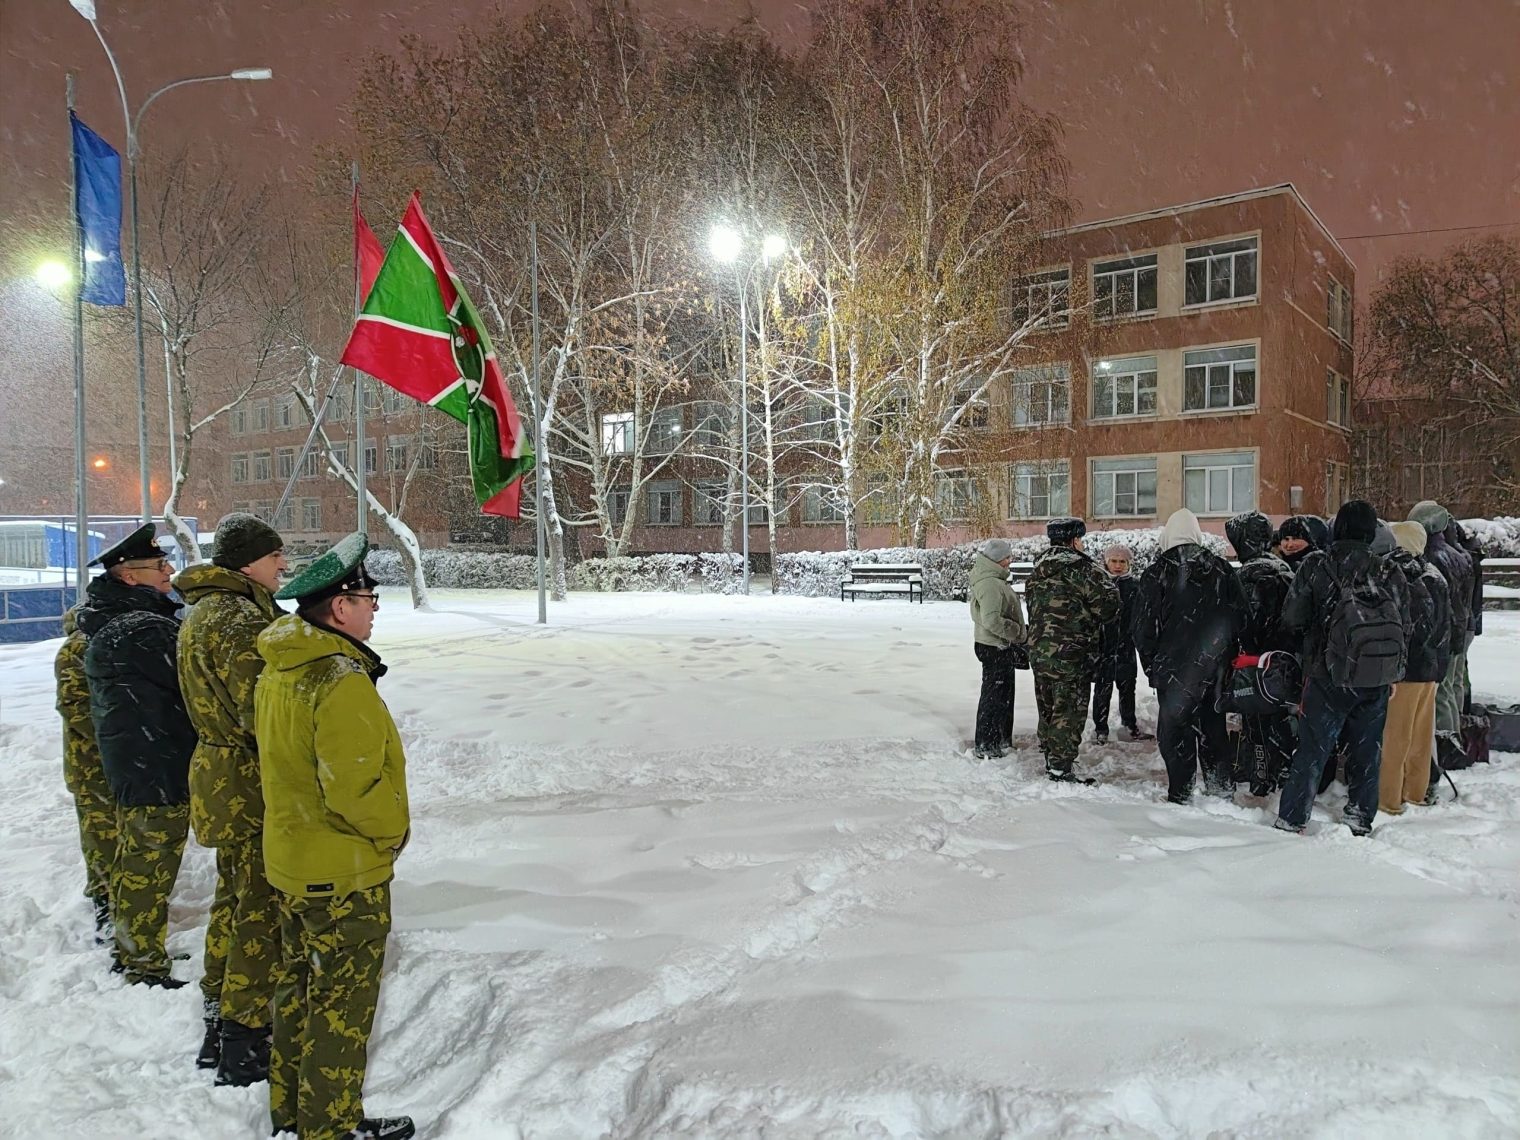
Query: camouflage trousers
{"x": 150, "y": 845}
{"x": 1062, "y": 703}
{"x": 242, "y": 936}
{"x": 97, "y": 840}
{"x": 332, "y": 952}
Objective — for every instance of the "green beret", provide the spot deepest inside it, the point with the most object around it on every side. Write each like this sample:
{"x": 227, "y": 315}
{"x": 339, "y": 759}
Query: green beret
{"x": 138, "y": 546}
{"x": 337, "y": 571}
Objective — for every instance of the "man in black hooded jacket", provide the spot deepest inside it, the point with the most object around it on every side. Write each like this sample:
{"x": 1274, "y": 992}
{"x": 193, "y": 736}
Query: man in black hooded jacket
{"x": 1332, "y": 711}
{"x": 145, "y": 739}
{"x": 1266, "y": 742}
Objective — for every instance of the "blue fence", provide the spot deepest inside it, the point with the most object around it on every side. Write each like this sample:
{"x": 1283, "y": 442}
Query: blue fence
{"x": 33, "y": 613}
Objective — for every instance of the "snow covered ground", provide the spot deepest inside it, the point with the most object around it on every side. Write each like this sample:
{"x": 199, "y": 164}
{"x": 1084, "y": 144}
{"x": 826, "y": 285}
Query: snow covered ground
{"x": 723, "y": 867}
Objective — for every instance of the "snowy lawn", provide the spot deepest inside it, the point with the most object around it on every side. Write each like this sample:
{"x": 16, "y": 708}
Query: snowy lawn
{"x": 724, "y": 867}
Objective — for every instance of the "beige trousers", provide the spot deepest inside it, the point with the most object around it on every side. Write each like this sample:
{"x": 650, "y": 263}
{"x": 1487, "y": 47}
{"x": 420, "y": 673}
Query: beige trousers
{"x": 1409, "y": 736}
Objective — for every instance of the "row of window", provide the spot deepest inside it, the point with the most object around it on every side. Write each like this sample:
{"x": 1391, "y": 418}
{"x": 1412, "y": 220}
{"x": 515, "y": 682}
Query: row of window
{"x": 665, "y": 503}
{"x": 261, "y": 466}
{"x": 1213, "y": 379}
{"x": 280, "y": 413}
{"x": 285, "y": 520}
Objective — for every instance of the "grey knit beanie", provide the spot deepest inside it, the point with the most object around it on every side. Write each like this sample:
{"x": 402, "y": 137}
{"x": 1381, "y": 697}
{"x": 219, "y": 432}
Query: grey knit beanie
{"x": 242, "y": 539}
{"x": 997, "y": 549}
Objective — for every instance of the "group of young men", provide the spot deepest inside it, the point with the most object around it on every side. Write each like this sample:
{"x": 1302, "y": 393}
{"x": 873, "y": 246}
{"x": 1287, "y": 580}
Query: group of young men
{"x": 1373, "y": 620}
{"x": 195, "y": 702}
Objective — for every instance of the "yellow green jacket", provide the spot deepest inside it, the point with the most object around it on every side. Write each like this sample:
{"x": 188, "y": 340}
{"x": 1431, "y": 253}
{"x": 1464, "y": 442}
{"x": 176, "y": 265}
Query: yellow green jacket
{"x": 82, "y": 770}
{"x": 333, "y": 773}
{"x": 219, "y": 664}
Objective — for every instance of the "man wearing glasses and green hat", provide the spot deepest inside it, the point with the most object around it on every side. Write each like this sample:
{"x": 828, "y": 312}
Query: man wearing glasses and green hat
{"x": 335, "y": 818}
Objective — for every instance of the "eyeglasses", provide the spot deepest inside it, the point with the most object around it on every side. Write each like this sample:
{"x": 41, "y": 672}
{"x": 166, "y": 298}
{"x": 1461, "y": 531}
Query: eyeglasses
{"x": 147, "y": 564}
{"x": 373, "y": 599}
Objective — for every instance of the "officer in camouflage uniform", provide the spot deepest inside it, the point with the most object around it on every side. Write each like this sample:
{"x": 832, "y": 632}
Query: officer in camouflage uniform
{"x": 335, "y": 818}
{"x": 1071, "y": 599}
{"x": 84, "y": 776}
{"x": 145, "y": 741}
{"x": 232, "y": 601}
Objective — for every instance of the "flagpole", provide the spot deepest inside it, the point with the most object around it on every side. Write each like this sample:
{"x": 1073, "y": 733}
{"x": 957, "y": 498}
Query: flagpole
{"x": 361, "y": 452}
{"x": 81, "y": 514}
{"x": 538, "y": 443}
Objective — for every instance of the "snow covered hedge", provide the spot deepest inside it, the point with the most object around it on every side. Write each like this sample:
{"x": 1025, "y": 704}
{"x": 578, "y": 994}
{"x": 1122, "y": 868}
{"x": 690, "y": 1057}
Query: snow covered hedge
{"x": 459, "y": 569}
{"x": 479, "y": 570}
{"x": 1500, "y": 538}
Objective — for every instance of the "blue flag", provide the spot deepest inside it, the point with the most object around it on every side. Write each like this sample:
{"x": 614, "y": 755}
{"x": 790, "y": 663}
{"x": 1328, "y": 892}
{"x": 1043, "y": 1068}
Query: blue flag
{"x": 97, "y": 212}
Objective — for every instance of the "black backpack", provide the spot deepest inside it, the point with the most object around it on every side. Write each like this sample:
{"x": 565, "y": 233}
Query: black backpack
{"x": 1364, "y": 644}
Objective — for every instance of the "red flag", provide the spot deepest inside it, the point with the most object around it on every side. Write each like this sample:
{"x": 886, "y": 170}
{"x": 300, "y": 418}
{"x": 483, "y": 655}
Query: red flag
{"x": 368, "y": 254}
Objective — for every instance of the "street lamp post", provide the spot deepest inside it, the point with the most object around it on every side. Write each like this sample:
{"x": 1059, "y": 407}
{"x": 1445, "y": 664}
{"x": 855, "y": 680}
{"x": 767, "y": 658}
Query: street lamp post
{"x": 726, "y": 245}
{"x": 86, "y": 8}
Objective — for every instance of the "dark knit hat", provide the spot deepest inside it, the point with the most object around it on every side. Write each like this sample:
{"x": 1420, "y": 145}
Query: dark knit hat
{"x": 1356, "y": 521}
{"x": 139, "y": 546}
{"x": 1062, "y": 531}
{"x": 338, "y": 571}
{"x": 242, "y": 539}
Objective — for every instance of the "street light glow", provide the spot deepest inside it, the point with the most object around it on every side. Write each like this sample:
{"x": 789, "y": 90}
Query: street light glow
{"x": 53, "y": 274}
{"x": 725, "y": 242}
{"x": 99, "y": 463}
{"x": 252, "y": 73}
{"x": 773, "y": 247}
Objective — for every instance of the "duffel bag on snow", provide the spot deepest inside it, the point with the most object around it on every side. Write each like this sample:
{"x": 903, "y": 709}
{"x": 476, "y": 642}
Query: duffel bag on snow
{"x": 1269, "y": 685}
{"x": 1475, "y": 735}
{"x": 1504, "y": 729}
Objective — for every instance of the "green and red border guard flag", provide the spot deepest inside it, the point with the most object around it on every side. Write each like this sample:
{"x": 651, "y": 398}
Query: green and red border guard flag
{"x": 419, "y": 333}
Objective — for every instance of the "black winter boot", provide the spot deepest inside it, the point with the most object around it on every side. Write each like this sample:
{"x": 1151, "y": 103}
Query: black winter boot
{"x": 1067, "y": 776}
{"x": 385, "y": 1128}
{"x": 244, "y": 1054}
{"x": 159, "y": 982}
{"x": 105, "y": 931}
{"x": 211, "y": 1046}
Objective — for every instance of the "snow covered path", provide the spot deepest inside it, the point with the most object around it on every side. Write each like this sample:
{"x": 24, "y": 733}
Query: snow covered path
{"x": 700, "y": 866}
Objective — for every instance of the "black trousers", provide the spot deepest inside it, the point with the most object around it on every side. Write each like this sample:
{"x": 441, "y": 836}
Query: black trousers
{"x": 1191, "y": 735}
{"x": 1103, "y": 695}
{"x": 994, "y": 709}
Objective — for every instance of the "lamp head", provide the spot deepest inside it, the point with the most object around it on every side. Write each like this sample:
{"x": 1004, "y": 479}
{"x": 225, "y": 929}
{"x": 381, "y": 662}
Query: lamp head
{"x": 724, "y": 243}
{"x": 252, "y": 73}
{"x": 53, "y": 274}
{"x": 773, "y": 247}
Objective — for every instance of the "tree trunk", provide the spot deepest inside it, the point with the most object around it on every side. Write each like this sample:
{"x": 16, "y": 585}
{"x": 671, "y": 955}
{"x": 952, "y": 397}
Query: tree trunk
{"x": 183, "y": 535}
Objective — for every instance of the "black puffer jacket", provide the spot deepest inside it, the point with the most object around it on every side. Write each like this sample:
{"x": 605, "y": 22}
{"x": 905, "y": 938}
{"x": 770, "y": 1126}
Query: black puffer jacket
{"x": 144, "y": 733}
{"x": 1456, "y": 566}
{"x": 1429, "y": 617}
{"x": 1118, "y": 636}
{"x": 1188, "y": 617}
{"x": 1312, "y": 598}
{"x": 1264, "y": 579}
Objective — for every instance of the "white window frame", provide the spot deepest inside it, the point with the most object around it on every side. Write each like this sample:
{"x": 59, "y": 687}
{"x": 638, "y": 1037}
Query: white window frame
{"x": 260, "y": 461}
{"x": 663, "y": 497}
{"x": 311, "y": 466}
{"x": 1338, "y": 478}
{"x": 285, "y": 412}
{"x": 1131, "y": 470}
{"x": 311, "y": 514}
{"x": 285, "y": 518}
{"x": 241, "y": 468}
{"x": 1340, "y": 311}
{"x": 393, "y": 444}
{"x": 665, "y": 428}
{"x": 1022, "y": 496}
{"x": 427, "y": 456}
{"x": 1228, "y": 253}
{"x": 371, "y": 456}
{"x": 392, "y": 401}
{"x": 820, "y": 505}
{"x": 1047, "y": 292}
{"x": 709, "y": 497}
{"x": 710, "y": 423}
{"x": 978, "y": 414}
{"x": 617, "y": 500}
{"x": 284, "y": 462}
{"x": 1040, "y": 396}
{"x": 259, "y": 421}
{"x": 957, "y": 494}
{"x": 238, "y": 420}
{"x": 1136, "y": 374}
{"x": 1230, "y": 370}
{"x": 1337, "y": 399}
{"x": 1212, "y": 465}
{"x": 617, "y": 433}
{"x": 1130, "y": 267}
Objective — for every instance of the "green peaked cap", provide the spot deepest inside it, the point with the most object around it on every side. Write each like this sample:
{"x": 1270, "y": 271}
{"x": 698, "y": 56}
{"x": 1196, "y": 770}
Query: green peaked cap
{"x": 339, "y": 569}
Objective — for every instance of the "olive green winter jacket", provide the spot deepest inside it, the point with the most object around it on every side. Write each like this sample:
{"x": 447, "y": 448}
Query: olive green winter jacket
{"x": 997, "y": 615}
{"x": 334, "y": 775}
{"x": 219, "y": 664}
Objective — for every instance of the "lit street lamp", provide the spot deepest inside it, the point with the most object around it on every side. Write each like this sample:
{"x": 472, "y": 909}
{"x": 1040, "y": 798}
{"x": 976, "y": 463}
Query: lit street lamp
{"x": 727, "y": 244}
{"x": 53, "y": 275}
{"x": 86, "y": 8}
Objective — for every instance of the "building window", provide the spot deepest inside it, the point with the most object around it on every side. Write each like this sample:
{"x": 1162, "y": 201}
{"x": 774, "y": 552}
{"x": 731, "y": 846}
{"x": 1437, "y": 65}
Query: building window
{"x": 707, "y": 503}
{"x": 258, "y": 418}
{"x": 427, "y": 456}
{"x": 1216, "y": 378}
{"x": 391, "y": 400}
{"x": 664, "y": 431}
{"x": 1339, "y": 310}
{"x": 759, "y": 511}
{"x": 617, "y": 433}
{"x": 882, "y": 500}
{"x": 1220, "y": 271}
{"x": 285, "y": 518}
{"x": 1219, "y": 484}
{"x": 1124, "y": 387}
{"x": 956, "y": 494}
{"x": 240, "y": 468}
{"x": 977, "y": 416}
{"x": 617, "y": 506}
{"x": 1124, "y": 488}
{"x": 1337, "y": 475}
{"x": 311, "y": 514}
{"x": 343, "y": 453}
{"x": 371, "y": 457}
{"x": 1040, "y": 490}
{"x": 821, "y": 505}
{"x": 371, "y": 399}
{"x": 284, "y": 462}
{"x": 261, "y": 466}
{"x": 396, "y": 449}
{"x": 815, "y": 419}
{"x": 710, "y": 428}
{"x": 285, "y": 412}
{"x": 240, "y": 420}
{"x": 311, "y": 466}
{"x": 1337, "y": 398}
{"x": 1041, "y": 397}
{"x": 662, "y": 504}
{"x": 1124, "y": 288}
{"x": 1043, "y": 297}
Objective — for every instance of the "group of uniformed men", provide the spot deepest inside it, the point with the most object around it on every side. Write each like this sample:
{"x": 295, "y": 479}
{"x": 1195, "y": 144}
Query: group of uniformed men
{"x": 263, "y": 732}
